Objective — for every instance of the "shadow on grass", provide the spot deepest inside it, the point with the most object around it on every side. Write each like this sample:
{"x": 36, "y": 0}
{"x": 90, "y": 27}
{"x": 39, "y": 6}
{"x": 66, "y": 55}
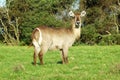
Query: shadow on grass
{"x": 36, "y": 63}
{"x": 59, "y": 62}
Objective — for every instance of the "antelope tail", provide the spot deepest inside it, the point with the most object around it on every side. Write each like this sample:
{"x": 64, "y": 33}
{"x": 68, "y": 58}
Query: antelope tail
{"x": 37, "y": 41}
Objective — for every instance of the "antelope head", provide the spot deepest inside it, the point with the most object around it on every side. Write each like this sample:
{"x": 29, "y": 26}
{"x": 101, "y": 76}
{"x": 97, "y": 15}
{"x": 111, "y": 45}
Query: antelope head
{"x": 77, "y": 18}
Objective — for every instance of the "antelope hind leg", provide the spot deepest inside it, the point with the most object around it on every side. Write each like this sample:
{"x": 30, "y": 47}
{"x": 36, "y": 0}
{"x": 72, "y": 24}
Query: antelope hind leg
{"x": 41, "y": 57}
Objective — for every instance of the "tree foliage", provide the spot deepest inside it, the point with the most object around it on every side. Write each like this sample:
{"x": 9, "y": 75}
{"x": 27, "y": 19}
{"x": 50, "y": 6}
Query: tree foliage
{"x": 103, "y": 15}
{"x": 10, "y": 27}
{"x": 102, "y": 20}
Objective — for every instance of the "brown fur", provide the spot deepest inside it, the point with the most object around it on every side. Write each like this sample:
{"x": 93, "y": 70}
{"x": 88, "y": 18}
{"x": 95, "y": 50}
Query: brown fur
{"x": 45, "y": 38}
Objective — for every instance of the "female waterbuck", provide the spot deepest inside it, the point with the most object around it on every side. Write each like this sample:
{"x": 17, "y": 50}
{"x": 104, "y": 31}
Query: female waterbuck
{"x": 45, "y": 38}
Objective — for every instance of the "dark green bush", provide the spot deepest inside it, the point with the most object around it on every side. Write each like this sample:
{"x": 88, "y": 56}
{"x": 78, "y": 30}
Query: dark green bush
{"x": 89, "y": 35}
{"x": 110, "y": 39}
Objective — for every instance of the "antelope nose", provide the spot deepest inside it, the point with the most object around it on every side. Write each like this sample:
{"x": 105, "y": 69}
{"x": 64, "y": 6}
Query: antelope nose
{"x": 78, "y": 22}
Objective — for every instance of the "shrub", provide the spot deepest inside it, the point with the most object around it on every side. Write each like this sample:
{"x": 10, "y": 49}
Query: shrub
{"x": 110, "y": 39}
{"x": 89, "y": 35}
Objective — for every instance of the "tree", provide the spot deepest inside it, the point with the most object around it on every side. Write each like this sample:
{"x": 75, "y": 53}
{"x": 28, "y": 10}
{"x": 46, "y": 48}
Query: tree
{"x": 103, "y": 17}
{"x": 10, "y": 27}
{"x": 32, "y": 13}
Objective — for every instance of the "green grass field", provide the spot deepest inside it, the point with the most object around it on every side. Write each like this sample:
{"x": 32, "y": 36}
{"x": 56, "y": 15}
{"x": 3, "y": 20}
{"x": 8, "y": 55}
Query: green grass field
{"x": 85, "y": 63}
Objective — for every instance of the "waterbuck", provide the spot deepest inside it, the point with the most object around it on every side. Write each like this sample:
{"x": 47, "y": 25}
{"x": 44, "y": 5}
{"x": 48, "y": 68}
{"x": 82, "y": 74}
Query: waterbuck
{"x": 45, "y": 38}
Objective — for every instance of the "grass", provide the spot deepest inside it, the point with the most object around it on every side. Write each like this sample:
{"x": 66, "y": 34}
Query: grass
{"x": 85, "y": 63}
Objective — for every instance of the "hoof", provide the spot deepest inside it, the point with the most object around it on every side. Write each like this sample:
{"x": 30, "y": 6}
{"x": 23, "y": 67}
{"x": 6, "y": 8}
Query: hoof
{"x": 33, "y": 63}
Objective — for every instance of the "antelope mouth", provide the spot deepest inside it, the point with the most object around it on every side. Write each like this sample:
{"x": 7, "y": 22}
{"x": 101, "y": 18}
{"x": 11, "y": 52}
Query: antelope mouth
{"x": 77, "y": 25}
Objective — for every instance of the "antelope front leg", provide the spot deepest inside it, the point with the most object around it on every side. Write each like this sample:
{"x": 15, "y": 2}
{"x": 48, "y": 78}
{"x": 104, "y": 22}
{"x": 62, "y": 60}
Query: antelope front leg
{"x": 65, "y": 56}
{"x": 66, "y": 59}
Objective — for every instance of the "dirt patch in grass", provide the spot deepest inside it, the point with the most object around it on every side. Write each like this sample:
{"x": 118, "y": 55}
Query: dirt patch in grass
{"x": 115, "y": 69}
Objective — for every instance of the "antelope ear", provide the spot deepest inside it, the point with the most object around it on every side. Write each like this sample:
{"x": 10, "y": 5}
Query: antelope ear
{"x": 83, "y": 13}
{"x": 71, "y": 14}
